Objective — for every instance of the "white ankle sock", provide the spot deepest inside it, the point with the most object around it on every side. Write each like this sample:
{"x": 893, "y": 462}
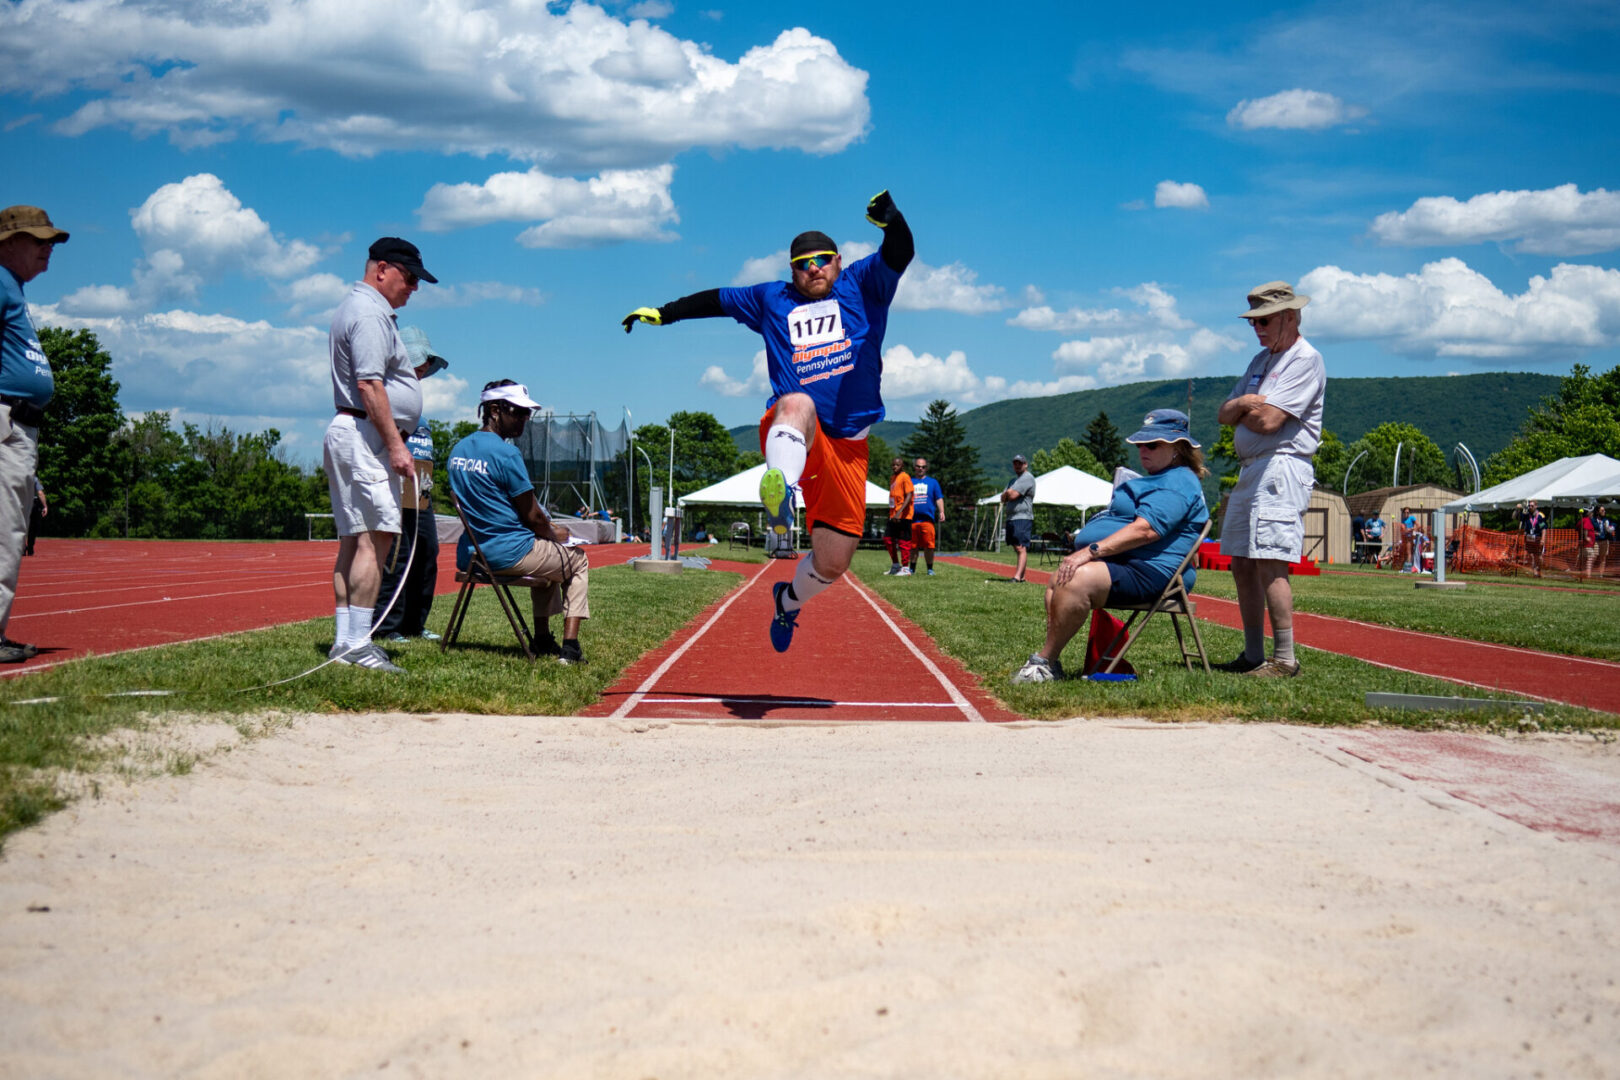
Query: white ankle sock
{"x": 1282, "y": 645}
{"x": 785, "y": 450}
{"x": 806, "y": 584}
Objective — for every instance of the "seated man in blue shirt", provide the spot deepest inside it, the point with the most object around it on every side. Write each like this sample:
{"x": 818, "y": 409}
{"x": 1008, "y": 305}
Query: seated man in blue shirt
{"x": 488, "y": 479}
{"x": 1127, "y": 553}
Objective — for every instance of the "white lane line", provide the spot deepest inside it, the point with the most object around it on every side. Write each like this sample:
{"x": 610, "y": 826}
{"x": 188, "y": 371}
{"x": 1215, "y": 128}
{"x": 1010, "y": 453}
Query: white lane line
{"x": 669, "y": 661}
{"x": 747, "y": 699}
{"x": 166, "y": 599}
{"x": 956, "y": 696}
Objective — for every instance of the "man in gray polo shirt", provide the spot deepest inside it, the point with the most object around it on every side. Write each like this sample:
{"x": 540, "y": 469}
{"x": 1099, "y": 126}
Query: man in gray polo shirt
{"x": 1020, "y": 500}
{"x": 1276, "y": 413}
{"x": 378, "y": 402}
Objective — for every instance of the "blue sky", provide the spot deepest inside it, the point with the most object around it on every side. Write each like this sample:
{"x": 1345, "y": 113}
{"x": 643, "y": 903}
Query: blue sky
{"x": 1093, "y": 188}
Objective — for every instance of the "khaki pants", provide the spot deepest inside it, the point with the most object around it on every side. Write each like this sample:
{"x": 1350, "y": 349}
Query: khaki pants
{"x": 19, "y": 454}
{"x": 567, "y": 571}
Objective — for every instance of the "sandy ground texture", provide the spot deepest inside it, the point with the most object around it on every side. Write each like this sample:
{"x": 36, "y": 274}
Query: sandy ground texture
{"x": 528, "y": 897}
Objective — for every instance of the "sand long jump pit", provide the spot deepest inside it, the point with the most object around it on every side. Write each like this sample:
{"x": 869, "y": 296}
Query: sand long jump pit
{"x": 540, "y": 897}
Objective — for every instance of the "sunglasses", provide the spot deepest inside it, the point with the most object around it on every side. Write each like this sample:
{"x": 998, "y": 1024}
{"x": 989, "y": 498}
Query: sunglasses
{"x": 410, "y": 278}
{"x": 814, "y": 261}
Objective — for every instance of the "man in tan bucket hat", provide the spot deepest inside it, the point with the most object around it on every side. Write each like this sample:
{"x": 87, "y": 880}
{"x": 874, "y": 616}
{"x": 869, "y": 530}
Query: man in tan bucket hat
{"x": 1276, "y": 411}
{"x": 27, "y": 238}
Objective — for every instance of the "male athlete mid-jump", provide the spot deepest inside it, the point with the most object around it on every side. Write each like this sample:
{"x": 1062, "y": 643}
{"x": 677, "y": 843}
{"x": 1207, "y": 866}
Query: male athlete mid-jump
{"x": 824, "y": 352}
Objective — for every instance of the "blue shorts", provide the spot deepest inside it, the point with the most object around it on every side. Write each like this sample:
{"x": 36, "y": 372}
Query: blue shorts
{"x": 1138, "y": 583}
{"x": 1019, "y": 531}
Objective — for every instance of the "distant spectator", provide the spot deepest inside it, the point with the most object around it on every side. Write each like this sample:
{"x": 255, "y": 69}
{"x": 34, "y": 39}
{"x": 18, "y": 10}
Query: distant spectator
{"x": 1606, "y": 533}
{"x": 898, "y": 539}
{"x": 1588, "y": 541}
{"x": 927, "y": 509}
{"x": 1372, "y": 535}
{"x": 36, "y": 514}
{"x": 1020, "y": 500}
{"x": 1533, "y": 523}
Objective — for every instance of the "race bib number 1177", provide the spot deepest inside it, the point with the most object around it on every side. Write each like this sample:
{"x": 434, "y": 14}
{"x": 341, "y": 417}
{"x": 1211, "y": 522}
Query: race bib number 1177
{"x": 815, "y": 324}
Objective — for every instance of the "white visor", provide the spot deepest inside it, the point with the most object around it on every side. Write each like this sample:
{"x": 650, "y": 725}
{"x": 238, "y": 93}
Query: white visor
{"x": 517, "y": 394}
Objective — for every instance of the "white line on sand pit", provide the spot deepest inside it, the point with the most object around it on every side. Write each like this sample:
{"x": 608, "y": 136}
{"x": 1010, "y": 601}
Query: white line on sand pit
{"x": 669, "y": 661}
{"x": 956, "y": 695}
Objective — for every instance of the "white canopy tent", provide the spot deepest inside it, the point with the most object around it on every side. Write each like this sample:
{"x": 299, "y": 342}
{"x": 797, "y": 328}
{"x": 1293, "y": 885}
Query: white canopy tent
{"x": 1571, "y": 481}
{"x": 743, "y": 490}
{"x": 1066, "y": 486}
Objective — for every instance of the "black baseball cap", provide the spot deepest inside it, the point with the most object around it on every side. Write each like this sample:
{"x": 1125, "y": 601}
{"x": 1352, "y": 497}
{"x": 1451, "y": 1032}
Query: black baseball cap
{"x": 808, "y": 243}
{"x": 402, "y": 253}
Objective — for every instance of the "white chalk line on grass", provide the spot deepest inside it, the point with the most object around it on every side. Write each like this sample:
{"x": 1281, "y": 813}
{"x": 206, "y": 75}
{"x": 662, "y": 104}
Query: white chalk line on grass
{"x": 957, "y": 697}
{"x": 166, "y": 600}
{"x": 650, "y": 681}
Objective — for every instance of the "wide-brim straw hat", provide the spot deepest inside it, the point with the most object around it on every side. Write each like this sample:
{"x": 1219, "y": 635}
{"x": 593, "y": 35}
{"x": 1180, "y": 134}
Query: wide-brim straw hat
{"x": 1272, "y": 297}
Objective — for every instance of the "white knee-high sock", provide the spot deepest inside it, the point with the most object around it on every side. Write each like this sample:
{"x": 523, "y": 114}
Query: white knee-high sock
{"x": 359, "y": 625}
{"x": 806, "y": 584}
{"x": 785, "y": 450}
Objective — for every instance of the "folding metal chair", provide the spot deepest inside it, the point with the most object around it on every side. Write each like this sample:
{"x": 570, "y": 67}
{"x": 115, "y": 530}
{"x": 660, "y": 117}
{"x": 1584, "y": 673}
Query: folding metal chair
{"x": 1174, "y": 602}
{"x": 741, "y": 533}
{"x": 478, "y": 573}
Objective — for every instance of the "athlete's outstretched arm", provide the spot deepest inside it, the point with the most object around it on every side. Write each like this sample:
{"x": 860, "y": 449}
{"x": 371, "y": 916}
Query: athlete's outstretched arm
{"x": 898, "y": 247}
{"x": 702, "y": 305}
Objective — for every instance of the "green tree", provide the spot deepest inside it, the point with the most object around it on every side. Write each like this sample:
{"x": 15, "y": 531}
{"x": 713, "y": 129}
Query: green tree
{"x": 1067, "y": 452}
{"x": 148, "y": 451}
{"x": 879, "y": 460}
{"x": 1222, "y": 459}
{"x": 1330, "y": 462}
{"x": 1422, "y": 462}
{"x": 1106, "y": 445}
{"x": 79, "y": 462}
{"x": 1582, "y": 418}
{"x": 941, "y": 440}
{"x": 705, "y": 453}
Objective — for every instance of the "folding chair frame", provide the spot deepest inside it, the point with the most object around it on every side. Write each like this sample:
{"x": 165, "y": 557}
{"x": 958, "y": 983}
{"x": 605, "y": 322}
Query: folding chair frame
{"x": 478, "y": 573}
{"x": 1174, "y": 601}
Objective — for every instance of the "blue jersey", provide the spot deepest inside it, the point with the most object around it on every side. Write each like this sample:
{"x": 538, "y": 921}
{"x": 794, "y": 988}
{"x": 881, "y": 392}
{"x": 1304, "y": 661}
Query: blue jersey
{"x": 1172, "y": 502}
{"x": 24, "y": 370}
{"x": 831, "y": 349}
{"x": 486, "y": 474}
{"x": 925, "y": 491}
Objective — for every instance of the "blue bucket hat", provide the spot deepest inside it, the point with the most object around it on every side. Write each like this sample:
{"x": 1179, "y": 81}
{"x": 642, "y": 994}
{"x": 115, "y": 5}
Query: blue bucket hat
{"x": 1164, "y": 425}
{"x": 421, "y": 351}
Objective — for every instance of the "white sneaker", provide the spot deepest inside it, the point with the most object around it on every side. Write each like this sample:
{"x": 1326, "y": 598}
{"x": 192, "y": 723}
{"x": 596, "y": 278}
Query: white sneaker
{"x": 904, "y": 571}
{"x": 1037, "y": 669}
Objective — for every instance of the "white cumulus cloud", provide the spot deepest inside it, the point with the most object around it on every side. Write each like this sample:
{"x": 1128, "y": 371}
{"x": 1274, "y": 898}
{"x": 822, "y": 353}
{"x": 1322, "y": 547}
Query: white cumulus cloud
{"x": 1448, "y": 309}
{"x": 1155, "y": 308}
{"x": 1180, "y": 196}
{"x": 756, "y": 384}
{"x": 1555, "y": 221}
{"x": 201, "y": 220}
{"x": 576, "y": 88}
{"x": 615, "y": 206}
{"x": 1300, "y": 110}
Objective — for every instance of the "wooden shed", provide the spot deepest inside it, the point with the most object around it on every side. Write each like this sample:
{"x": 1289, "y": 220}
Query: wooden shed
{"x": 1388, "y": 502}
{"x": 1327, "y": 528}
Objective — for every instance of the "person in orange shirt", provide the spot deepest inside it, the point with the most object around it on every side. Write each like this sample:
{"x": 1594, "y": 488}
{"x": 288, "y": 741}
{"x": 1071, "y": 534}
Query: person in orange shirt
{"x": 898, "y": 539}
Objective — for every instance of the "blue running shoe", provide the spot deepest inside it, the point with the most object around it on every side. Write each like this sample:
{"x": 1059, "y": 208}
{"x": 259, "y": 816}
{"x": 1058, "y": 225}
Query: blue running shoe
{"x": 777, "y": 496}
{"x": 783, "y": 622}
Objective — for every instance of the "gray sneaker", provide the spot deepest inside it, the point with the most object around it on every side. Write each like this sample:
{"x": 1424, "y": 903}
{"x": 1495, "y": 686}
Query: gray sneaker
{"x": 371, "y": 656}
{"x": 1038, "y": 669}
{"x": 428, "y": 635}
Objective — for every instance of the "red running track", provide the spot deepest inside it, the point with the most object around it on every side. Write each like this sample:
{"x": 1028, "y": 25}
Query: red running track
{"x": 77, "y": 597}
{"x": 1573, "y": 680}
{"x": 853, "y": 657}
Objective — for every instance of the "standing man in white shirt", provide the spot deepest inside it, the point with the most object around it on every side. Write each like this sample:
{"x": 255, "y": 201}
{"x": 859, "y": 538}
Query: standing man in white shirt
{"x": 1276, "y": 411}
{"x": 378, "y": 403}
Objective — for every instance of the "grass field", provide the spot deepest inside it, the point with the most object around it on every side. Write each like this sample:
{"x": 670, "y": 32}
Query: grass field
{"x": 485, "y": 673}
{"x": 1572, "y": 618}
{"x": 992, "y": 627}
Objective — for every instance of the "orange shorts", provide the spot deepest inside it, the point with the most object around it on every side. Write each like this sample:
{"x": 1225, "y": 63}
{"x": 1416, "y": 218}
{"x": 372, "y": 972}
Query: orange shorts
{"x": 834, "y": 480}
{"x": 922, "y": 534}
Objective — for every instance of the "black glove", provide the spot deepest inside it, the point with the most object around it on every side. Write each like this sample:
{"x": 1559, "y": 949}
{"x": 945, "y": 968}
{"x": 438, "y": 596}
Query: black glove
{"x": 880, "y": 209}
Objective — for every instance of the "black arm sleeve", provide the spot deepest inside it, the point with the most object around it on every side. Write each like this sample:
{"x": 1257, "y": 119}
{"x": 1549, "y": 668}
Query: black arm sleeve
{"x": 702, "y": 305}
{"x": 898, "y": 247}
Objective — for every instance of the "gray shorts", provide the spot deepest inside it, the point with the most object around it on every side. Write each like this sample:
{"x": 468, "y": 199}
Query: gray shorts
{"x": 1265, "y": 514}
{"x": 365, "y": 491}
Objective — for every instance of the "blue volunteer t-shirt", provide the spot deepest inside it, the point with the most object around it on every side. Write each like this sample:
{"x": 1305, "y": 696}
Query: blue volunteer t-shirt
{"x": 1172, "y": 502}
{"x": 420, "y": 444}
{"x": 922, "y": 501}
{"x": 831, "y": 349}
{"x": 486, "y": 473}
{"x": 24, "y": 370}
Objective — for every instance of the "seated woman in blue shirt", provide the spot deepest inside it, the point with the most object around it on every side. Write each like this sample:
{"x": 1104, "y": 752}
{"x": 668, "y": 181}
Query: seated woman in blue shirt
{"x": 1127, "y": 553}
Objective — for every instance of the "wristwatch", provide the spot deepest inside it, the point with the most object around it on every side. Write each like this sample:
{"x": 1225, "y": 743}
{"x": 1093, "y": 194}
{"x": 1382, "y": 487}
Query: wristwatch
{"x": 1095, "y": 554}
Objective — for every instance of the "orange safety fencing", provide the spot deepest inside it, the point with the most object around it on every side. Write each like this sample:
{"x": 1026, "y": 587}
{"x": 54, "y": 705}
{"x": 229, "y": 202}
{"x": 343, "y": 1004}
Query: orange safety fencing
{"x": 1489, "y": 551}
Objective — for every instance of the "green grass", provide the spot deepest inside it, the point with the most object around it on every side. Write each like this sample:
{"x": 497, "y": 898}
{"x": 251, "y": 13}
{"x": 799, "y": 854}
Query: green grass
{"x": 1572, "y": 617}
{"x": 485, "y": 673}
{"x": 992, "y": 627}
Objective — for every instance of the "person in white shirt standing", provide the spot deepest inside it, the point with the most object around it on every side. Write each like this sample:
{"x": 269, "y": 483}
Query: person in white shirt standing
{"x": 1276, "y": 413}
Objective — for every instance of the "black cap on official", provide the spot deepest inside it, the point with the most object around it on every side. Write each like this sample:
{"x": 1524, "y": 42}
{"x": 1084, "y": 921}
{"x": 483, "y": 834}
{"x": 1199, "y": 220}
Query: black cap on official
{"x": 402, "y": 253}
